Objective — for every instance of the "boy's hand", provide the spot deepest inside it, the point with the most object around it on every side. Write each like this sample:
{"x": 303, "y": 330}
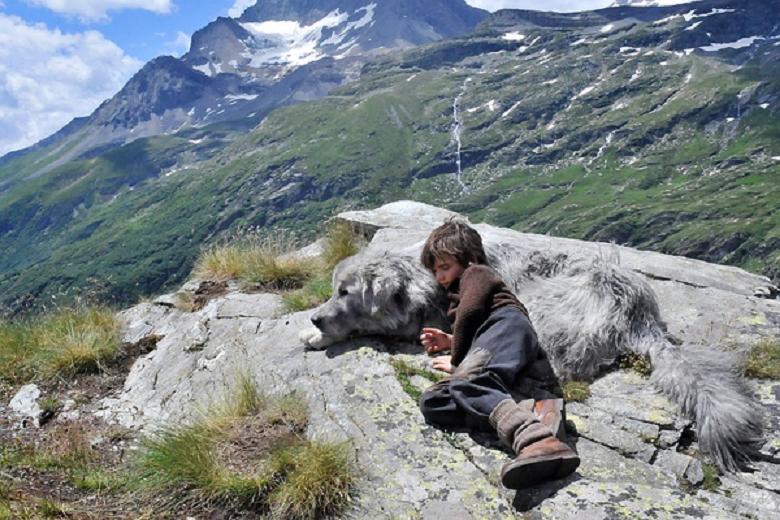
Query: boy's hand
{"x": 435, "y": 340}
{"x": 443, "y": 363}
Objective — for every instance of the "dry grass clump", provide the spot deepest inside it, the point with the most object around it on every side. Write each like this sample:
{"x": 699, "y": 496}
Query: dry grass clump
{"x": 763, "y": 360}
{"x": 341, "y": 242}
{"x": 249, "y": 454}
{"x": 272, "y": 264}
{"x": 576, "y": 391}
{"x": 259, "y": 260}
{"x": 65, "y": 343}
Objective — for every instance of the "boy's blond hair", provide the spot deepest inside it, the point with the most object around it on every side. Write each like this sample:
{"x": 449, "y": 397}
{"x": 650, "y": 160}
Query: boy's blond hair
{"x": 455, "y": 237}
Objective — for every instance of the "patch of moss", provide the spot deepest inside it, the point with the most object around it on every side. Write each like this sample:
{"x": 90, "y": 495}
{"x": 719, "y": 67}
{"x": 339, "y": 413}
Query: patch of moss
{"x": 763, "y": 360}
{"x": 639, "y": 363}
{"x": 711, "y": 480}
{"x": 404, "y": 372}
{"x": 576, "y": 391}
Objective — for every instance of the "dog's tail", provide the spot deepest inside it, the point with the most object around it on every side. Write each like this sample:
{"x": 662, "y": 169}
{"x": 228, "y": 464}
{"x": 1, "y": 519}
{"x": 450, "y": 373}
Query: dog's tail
{"x": 598, "y": 311}
{"x": 706, "y": 387}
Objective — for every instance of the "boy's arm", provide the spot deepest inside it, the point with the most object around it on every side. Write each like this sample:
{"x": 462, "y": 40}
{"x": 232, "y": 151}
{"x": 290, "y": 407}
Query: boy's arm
{"x": 477, "y": 286}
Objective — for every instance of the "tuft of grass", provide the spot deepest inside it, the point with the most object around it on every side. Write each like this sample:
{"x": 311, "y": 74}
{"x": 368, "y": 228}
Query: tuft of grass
{"x": 318, "y": 484}
{"x": 763, "y": 360}
{"x": 404, "y": 372}
{"x": 576, "y": 391}
{"x": 248, "y": 453}
{"x": 265, "y": 261}
{"x": 94, "y": 479}
{"x": 711, "y": 480}
{"x": 341, "y": 242}
{"x": 67, "y": 450}
{"x": 248, "y": 399}
{"x": 49, "y": 509}
{"x": 314, "y": 292}
{"x": 639, "y": 363}
{"x": 64, "y": 343}
{"x": 50, "y": 405}
{"x": 181, "y": 456}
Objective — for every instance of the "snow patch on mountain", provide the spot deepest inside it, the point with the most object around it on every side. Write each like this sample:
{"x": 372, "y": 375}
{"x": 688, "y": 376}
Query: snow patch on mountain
{"x": 513, "y": 36}
{"x": 366, "y": 20}
{"x": 739, "y": 44}
{"x": 232, "y": 98}
{"x": 286, "y": 42}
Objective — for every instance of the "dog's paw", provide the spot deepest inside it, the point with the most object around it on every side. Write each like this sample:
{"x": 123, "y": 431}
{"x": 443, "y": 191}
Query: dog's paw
{"x": 313, "y": 338}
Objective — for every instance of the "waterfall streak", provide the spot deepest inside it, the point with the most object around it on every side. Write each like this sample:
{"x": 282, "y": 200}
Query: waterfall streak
{"x": 457, "y": 126}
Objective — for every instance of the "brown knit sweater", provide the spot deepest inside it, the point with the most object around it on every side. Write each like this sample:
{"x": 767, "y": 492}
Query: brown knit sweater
{"x": 477, "y": 293}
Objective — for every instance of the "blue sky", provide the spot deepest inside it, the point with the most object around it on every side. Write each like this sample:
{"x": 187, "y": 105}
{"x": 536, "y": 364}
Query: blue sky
{"x": 59, "y": 59}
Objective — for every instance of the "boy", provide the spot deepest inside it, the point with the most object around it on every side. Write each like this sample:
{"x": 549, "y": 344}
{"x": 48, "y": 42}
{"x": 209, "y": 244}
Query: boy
{"x": 492, "y": 343}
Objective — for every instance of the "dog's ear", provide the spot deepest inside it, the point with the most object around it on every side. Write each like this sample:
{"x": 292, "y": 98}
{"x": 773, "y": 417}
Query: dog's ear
{"x": 383, "y": 287}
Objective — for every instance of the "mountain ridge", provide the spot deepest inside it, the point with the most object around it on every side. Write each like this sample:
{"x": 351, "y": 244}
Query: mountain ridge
{"x": 609, "y": 134}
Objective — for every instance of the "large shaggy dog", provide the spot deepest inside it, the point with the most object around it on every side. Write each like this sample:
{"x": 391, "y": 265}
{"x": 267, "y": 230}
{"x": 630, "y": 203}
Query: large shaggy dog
{"x": 586, "y": 313}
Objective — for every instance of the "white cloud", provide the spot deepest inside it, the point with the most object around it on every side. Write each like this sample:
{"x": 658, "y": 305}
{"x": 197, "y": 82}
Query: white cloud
{"x": 48, "y": 77}
{"x": 182, "y": 42}
{"x": 98, "y": 9}
{"x": 239, "y": 6}
{"x": 178, "y": 46}
{"x": 536, "y": 5}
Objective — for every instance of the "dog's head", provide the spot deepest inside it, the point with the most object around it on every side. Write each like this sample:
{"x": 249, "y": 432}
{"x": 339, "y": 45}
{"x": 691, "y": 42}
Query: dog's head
{"x": 375, "y": 295}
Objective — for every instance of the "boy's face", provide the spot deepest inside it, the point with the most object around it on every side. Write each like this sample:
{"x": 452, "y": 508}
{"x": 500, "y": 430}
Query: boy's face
{"x": 446, "y": 270}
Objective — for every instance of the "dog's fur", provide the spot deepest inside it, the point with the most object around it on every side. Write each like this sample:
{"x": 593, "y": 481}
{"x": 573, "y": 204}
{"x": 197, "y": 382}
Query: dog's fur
{"x": 386, "y": 296}
{"x": 586, "y": 313}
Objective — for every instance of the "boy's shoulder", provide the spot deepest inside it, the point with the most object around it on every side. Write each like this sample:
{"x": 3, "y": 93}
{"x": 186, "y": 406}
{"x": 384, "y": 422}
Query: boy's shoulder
{"x": 480, "y": 272}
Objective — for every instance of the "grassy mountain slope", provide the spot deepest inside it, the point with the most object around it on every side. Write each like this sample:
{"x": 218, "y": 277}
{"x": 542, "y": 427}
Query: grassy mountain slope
{"x": 583, "y": 133}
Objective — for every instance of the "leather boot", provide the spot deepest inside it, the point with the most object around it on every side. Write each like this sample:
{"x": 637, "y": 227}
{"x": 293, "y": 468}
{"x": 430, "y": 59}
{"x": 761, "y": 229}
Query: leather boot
{"x": 550, "y": 413}
{"x": 547, "y": 459}
{"x": 540, "y": 455}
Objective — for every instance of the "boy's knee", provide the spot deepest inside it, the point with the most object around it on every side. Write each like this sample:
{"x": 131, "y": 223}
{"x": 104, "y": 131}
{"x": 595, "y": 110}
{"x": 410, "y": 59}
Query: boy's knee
{"x": 432, "y": 398}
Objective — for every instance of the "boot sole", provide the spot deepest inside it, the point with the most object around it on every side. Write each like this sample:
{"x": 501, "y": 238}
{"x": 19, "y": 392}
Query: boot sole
{"x": 536, "y": 470}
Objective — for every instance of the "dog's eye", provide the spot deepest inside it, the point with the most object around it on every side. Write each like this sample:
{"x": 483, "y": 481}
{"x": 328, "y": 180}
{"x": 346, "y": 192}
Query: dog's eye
{"x": 343, "y": 292}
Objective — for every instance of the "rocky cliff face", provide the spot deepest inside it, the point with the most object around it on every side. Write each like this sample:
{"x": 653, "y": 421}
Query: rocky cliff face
{"x": 637, "y": 451}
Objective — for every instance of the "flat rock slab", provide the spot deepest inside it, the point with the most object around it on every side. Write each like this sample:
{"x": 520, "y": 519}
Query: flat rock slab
{"x": 355, "y": 396}
{"x": 629, "y": 436}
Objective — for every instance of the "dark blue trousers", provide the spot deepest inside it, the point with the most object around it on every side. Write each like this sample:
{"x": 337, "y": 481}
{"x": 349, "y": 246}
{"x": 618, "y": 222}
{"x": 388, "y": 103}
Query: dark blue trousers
{"x": 502, "y": 347}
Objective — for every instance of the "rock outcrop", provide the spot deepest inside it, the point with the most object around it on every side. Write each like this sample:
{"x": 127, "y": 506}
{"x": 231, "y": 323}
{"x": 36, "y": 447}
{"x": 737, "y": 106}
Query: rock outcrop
{"x": 638, "y": 453}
